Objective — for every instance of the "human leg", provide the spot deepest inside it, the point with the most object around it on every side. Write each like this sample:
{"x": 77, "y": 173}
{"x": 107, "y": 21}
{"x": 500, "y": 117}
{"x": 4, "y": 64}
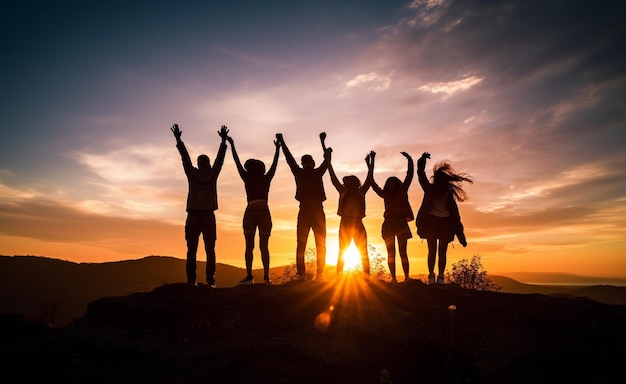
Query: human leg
{"x": 319, "y": 232}
{"x": 265, "y": 229}
{"x": 404, "y": 258}
{"x": 265, "y": 256}
{"x": 302, "y": 233}
{"x": 249, "y": 255}
{"x": 344, "y": 242}
{"x": 360, "y": 240}
{"x": 209, "y": 236}
{"x": 390, "y": 244}
{"x": 432, "y": 254}
{"x": 443, "y": 250}
{"x": 192, "y": 236}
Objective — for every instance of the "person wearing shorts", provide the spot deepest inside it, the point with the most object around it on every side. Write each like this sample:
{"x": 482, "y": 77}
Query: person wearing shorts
{"x": 257, "y": 215}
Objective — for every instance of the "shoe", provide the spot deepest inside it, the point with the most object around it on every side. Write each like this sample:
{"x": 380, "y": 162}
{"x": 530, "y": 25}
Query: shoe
{"x": 431, "y": 279}
{"x": 267, "y": 281}
{"x": 211, "y": 283}
{"x": 247, "y": 280}
{"x": 394, "y": 280}
{"x": 440, "y": 280}
{"x": 407, "y": 279}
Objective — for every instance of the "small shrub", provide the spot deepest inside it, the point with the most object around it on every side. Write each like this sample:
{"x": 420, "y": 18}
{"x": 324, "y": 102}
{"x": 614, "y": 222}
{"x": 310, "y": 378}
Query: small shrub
{"x": 471, "y": 275}
{"x": 290, "y": 272}
{"x": 378, "y": 264}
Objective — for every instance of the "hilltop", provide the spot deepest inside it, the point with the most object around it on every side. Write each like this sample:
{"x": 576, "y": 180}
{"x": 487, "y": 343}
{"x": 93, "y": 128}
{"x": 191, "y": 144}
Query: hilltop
{"x": 348, "y": 331}
{"x": 56, "y": 292}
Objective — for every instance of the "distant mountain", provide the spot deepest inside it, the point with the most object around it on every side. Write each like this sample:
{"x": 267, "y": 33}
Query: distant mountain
{"x": 334, "y": 331}
{"x": 56, "y": 292}
{"x": 552, "y": 278}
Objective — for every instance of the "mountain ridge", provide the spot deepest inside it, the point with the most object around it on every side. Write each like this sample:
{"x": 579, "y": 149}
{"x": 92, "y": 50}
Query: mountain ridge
{"x": 56, "y": 292}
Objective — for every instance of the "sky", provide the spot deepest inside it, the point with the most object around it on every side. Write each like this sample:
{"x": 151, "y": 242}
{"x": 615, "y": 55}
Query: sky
{"x": 528, "y": 97}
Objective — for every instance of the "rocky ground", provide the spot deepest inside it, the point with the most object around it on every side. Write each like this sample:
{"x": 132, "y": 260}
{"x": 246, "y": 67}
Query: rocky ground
{"x": 347, "y": 331}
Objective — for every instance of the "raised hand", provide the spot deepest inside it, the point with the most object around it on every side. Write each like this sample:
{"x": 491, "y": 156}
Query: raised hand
{"x": 279, "y": 137}
{"x": 223, "y": 132}
{"x": 425, "y": 155}
{"x": 323, "y": 140}
{"x": 328, "y": 154}
{"x": 176, "y": 131}
{"x": 406, "y": 155}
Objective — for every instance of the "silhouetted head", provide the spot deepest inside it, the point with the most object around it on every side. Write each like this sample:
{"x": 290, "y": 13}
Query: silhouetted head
{"x": 352, "y": 182}
{"x": 204, "y": 162}
{"x": 445, "y": 177}
{"x": 307, "y": 161}
{"x": 255, "y": 167}
{"x": 392, "y": 184}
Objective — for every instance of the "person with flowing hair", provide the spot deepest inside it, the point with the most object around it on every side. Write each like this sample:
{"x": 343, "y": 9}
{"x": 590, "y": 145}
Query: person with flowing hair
{"x": 438, "y": 218}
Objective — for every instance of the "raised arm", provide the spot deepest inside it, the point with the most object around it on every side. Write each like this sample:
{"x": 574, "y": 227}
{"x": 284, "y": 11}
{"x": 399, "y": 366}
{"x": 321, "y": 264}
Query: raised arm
{"x": 324, "y": 165}
{"x": 184, "y": 154}
{"x": 410, "y": 170}
{"x": 240, "y": 169}
{"x": 377, "y": 189}
{"x": 177, "y": 133}
{"x": 221, "y": 153}
{"x": 272, "y": 170}
{"x": 331, "y": 171}
{"x": 369, "y": 160}
{"x": 288, "y": 156}
{"x": 421, "y": 173}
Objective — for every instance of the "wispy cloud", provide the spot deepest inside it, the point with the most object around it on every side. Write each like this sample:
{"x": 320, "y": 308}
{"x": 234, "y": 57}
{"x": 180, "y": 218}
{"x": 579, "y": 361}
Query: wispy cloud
{"x": 451, "y": 87}
{"x": 371, "y": 80}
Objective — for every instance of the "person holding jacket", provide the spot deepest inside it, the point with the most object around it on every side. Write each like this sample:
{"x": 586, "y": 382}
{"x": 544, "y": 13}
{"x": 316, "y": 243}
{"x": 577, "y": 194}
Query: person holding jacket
{"x": 438, "y": 218}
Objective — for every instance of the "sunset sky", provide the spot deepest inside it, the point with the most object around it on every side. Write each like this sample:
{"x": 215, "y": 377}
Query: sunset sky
{"x": 529, "y": 97}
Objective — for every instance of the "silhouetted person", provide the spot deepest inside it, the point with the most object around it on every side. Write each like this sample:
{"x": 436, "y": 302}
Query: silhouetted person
{"x": 438, "y": 219}
{"x": 201, "y": 204}
{"x": 351, "y": 208}
{"x": 310, "y": 193}
{"x": 398, "y": 213}
{"x": 257, "y": 214}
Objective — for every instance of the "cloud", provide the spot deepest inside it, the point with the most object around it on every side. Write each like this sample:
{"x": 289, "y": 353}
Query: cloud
{"x": 134, "y": 164}
{"x": 54, "y": 221}
{"x": 371, "y": 80}
{"x": 451, "y": 87}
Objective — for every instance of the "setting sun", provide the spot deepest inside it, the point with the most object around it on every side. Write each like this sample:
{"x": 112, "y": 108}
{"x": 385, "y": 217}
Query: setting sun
{"x": 352, "y": 259}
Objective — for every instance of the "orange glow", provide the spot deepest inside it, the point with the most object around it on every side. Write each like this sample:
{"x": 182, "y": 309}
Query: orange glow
{"x": 352, "y": 259}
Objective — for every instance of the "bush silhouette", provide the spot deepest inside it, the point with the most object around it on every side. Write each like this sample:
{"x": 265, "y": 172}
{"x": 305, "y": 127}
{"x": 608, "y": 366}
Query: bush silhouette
{"x": 471, "y": 275}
